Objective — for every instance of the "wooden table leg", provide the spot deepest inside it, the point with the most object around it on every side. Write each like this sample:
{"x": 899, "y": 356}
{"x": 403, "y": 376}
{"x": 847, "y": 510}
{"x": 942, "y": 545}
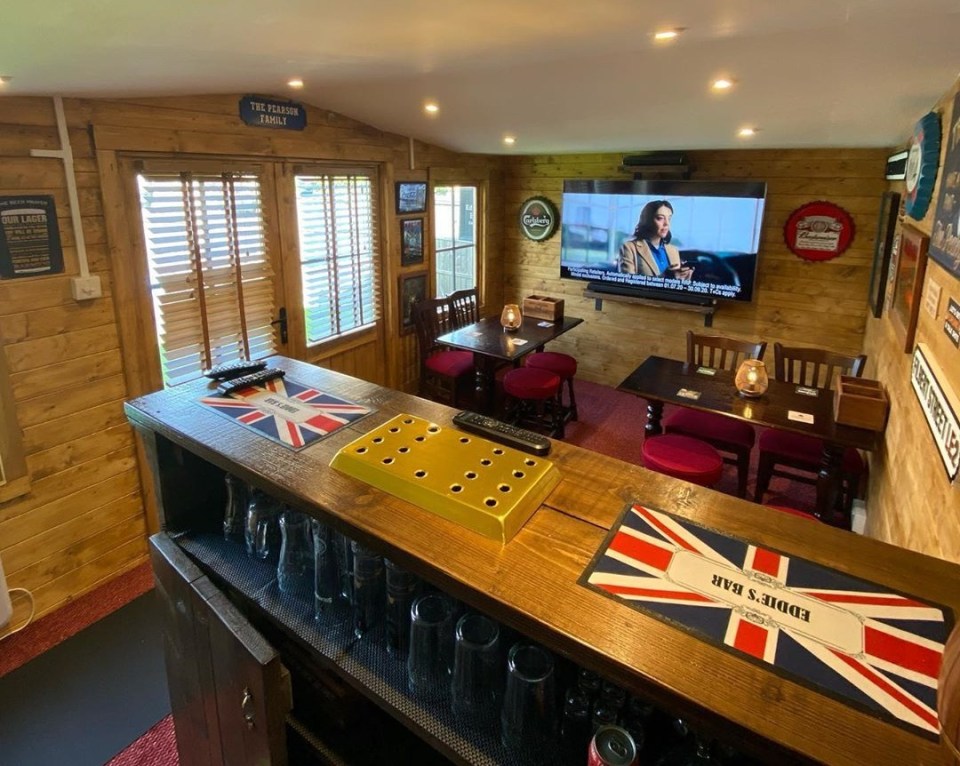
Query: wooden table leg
{"x": 828, "y": 485}
{"x": 654, "y": 416}
{"x": 483, "y": 383}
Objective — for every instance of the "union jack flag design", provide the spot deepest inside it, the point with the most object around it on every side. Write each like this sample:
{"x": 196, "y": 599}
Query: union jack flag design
{"x": 287, "y": 412}
{"x": 854, "y": 640}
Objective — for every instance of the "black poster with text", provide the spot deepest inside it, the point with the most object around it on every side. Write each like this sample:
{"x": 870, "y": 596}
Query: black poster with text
{"x": 29, "y": 237}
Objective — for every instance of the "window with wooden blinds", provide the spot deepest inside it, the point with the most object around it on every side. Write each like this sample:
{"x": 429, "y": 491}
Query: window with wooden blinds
{"x": 336, "y": 217}
{"x": 210, "y": 274}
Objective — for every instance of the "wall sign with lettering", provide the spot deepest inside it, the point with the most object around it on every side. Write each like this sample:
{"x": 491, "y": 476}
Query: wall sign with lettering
{"x": 818, "y": 231}
{"x": 930, "y": 386}
{"x": 271, "y": 113}
{"x": 861, "y": 642}
{"x": 29, "y": 237}
{"x": 539, "y": 218}
{"x": 951, "y": 325}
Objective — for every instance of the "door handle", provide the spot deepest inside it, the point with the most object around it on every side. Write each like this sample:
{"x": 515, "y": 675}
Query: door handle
{"x": 282, "y": 321}
{"x": 247, "y": 708}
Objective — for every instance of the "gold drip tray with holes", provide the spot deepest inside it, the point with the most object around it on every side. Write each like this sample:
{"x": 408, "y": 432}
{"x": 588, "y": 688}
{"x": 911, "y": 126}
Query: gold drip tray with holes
{"x": 479, "y": 484}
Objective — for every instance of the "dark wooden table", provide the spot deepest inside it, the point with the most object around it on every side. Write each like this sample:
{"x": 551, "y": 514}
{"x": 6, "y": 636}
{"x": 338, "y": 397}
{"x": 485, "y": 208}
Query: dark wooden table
{"x": 492, "y": 345}
{"x": 658, "y": 380}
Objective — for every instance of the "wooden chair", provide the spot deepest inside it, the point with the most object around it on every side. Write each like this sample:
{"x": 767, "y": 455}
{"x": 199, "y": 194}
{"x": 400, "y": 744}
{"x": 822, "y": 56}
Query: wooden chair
{"x": 441, "y": 369}
{"x": 464, "y": 307}
{"x": 727, "y": 435}
{"x": 817, "y": 368}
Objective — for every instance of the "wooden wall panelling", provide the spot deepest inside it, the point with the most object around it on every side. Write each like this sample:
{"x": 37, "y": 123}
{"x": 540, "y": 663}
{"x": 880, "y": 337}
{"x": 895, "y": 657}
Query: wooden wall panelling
{"x": 911, "y": 502}
{"x": 612, "y": 341}
{"x": 78, "y": 525}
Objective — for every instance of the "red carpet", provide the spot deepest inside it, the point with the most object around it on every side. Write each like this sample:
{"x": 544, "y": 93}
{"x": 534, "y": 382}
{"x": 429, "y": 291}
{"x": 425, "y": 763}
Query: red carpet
{"x": 58, "y": 626}
{"x": 158, "y": 747}
{"x": 611, "y": 422}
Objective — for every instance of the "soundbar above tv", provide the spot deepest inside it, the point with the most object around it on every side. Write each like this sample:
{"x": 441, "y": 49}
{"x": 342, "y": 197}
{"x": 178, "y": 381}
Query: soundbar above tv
{"x": 685, "y": 241}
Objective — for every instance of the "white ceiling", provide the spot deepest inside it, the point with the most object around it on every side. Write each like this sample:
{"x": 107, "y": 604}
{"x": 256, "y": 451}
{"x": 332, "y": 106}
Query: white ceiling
{"x": 561, "y": 75}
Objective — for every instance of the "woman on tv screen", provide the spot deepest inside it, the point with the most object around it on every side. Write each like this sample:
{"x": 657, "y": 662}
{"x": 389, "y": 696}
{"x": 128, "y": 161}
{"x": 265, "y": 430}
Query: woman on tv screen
{"x": 649, "y": 252}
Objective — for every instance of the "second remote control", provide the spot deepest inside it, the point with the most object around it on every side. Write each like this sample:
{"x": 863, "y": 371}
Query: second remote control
{"x": 505, "y": 433}
{"x": 245, "y": 381}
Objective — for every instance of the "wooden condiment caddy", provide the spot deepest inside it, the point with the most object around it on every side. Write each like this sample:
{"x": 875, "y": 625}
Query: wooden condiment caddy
{"x": 543, "y": 307}
{"x": 861, "y": 403}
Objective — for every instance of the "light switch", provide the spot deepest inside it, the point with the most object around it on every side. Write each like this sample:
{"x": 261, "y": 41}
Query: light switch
{"x": 86, "y": 288}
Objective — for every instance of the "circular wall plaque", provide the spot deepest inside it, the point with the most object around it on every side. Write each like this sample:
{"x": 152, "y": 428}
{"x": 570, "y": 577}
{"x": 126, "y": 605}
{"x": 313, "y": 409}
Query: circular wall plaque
{"x": 923, "y": 158}
{"x": 539, "y": 218}
{"x": 818, "y": 231}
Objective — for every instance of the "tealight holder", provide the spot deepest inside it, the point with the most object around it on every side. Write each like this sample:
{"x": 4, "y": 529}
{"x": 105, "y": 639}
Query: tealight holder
{"x": 511, "y": 317}
{"x": 751, "y": 379}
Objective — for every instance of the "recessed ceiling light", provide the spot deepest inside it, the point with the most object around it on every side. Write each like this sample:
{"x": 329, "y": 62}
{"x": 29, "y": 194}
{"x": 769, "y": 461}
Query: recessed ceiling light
{"x": 667, "y": 35}
{"x": 722, "y": 83}
{"x": 296, "y": 83}
{"x": 747, "y": 132}
{"x": 4, "y": 79}
{"x": 509, "y": 140}
{"x": 431, "y": 107}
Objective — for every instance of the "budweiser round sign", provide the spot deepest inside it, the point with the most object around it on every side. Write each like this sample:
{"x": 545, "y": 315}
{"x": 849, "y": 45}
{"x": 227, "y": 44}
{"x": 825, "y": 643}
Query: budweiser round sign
{"x": 538, "y": 218}
{"x": 818, "y": 231}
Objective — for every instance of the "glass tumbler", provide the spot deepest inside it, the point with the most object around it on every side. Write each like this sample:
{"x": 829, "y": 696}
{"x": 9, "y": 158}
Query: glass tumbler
{"x": 368, "y": 601}
{"x": 402, "y": 588}
{"x": 295, "y": 568}
{"x": 261, "y": 532}
{"x": 325, "y": 583}
{"x": 234, "y": 515}
{"x": 343, "y": 555}
{"x": 431, "y": 639}
{"x": 528, "y": 720}
{"x": 475, "y": 685}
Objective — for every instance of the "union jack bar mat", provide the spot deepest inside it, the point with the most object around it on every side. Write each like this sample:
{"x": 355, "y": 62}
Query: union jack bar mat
{"x": 856, "y": 641}
{"x": 287, "y": 412}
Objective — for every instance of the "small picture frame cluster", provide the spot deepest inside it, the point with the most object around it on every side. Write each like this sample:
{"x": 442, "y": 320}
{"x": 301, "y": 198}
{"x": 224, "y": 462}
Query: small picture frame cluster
{"x": 411, "y": 241}
{"x": 413, "y": 288}
{"x": 411, "y": 197}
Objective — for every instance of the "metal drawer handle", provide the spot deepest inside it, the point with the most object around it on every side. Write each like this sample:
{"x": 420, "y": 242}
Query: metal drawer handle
{"x": 246, "y": 706}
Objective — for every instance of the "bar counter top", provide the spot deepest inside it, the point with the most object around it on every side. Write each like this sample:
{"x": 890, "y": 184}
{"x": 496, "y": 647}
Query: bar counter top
{"x": 531, "y": 582}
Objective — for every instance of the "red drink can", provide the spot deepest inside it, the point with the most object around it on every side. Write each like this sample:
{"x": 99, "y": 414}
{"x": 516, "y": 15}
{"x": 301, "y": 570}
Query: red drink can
{"x": 612, "y": 746}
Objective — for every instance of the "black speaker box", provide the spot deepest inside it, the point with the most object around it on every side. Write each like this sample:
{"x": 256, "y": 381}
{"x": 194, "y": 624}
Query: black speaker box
{"x": 654, "y": 158}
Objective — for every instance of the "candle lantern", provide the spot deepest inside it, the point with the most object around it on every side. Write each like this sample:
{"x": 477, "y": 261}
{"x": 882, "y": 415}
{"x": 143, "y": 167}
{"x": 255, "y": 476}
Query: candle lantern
{"x": 751, "y": 380}
{"x": 511, "y": 318}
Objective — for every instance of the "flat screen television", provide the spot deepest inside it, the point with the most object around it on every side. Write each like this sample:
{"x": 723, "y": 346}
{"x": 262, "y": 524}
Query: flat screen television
{"x": 698, "y": 241}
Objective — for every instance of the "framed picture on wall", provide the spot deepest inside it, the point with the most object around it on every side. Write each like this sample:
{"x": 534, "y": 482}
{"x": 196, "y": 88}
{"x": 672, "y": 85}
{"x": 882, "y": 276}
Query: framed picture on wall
{"x": 411, "y": 197}
{"x": 411, "y": 241}
{"x": 908, "y": 288}
{"x": 413, "y": 288}
{"x": 882, "y": 249}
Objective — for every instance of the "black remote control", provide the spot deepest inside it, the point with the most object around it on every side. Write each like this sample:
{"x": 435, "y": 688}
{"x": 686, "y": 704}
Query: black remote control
{"x": 505, "y": 433}
{"x": 245, "y": 381}
{"x": 233, "y": 369}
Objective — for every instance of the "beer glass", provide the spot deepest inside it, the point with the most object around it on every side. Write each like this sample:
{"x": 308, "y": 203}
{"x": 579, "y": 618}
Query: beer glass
{"x": 234, "y": 515}
{"x": 528, "y": 721}
{"x": 325, "y": 583}
{"x": 474, "y": 688}
{"x": 295, "y": 567}
{"x": 402, "y": 588}
{"x": 261, "y": 531}
{"x": 343, "y": 555}
{"x": 431, "y": 639}
{"x": 368, "y": 601}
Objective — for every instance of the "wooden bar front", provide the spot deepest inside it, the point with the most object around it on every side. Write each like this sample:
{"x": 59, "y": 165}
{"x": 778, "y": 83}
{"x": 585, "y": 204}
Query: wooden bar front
{"x": 531, "y": 583}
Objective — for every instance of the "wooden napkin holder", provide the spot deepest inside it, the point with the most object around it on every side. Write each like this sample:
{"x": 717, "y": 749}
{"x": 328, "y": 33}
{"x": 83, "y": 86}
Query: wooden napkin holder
{"x": 543, "y": 307}
{"x": 860, "y": 403}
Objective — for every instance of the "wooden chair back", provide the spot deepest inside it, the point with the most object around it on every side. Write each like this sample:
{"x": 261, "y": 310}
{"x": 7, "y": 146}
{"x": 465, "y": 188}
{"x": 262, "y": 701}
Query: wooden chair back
{"x": 465, "y": 307}
{"x": 814, "y": 367}
{"x": 720, "y": 352}
{"x": 431, "y": 318}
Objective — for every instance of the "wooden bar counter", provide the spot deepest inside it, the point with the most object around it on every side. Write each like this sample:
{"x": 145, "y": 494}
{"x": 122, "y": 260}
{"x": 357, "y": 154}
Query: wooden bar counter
{"x": 531, "y": 582}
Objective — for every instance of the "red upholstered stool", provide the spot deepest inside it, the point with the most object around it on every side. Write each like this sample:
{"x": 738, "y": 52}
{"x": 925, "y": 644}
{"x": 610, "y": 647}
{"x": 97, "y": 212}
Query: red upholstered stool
{"x": 794, "y": 512}
{"x": 683, "y": 457}
{"x": 562, "y": 365}
{"x": 533, "y": 399}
